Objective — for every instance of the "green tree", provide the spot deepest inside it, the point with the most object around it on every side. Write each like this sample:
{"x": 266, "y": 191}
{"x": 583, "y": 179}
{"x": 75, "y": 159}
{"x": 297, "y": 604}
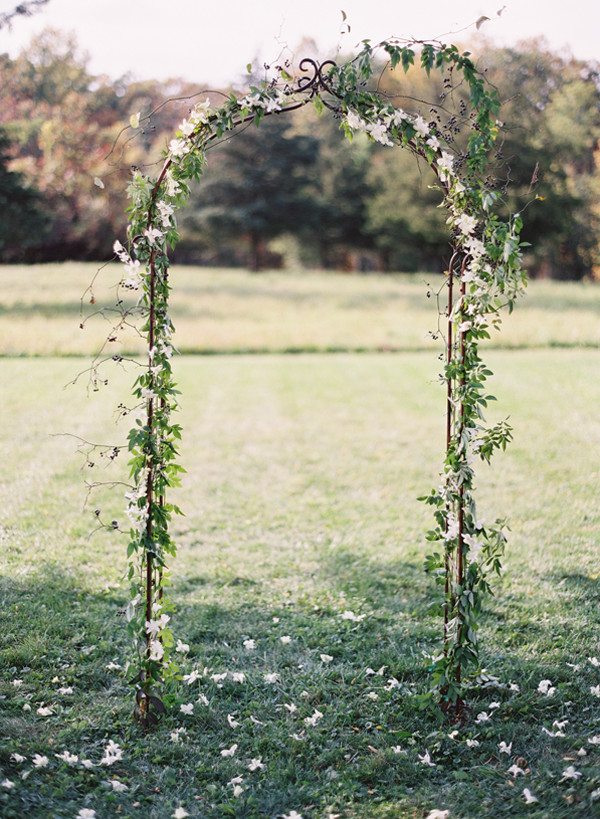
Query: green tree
{"x": 22, "y": 224}
{"x": 552, "y": 113}
{"x": 257, "y": 187}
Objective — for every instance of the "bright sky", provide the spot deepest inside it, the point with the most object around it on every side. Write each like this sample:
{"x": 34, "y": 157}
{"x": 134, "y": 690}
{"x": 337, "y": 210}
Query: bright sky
{"x": 211, "y": 42}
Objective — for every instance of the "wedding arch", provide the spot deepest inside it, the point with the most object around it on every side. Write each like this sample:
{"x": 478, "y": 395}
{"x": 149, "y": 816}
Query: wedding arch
{"x": 483, "y": 277}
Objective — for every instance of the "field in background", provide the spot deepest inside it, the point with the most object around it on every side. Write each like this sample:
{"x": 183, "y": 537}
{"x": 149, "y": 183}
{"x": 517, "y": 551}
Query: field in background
{"x": 41, "y": 309}
{"x": 300, "y": 502}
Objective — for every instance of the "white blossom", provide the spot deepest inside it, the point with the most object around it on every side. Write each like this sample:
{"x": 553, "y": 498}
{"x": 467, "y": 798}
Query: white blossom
{"x": 70, "y": 759}
{"x": 317, "y": 715}
{"x": 425, "y": 759}
{"x": 545, "y": 687}
{"x": 420, "y": 126}
{"x": 112, "y": 753}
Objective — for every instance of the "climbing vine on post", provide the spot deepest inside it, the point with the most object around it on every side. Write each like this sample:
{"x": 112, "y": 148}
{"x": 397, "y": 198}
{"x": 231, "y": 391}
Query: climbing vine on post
{"x": 483, "y": 277}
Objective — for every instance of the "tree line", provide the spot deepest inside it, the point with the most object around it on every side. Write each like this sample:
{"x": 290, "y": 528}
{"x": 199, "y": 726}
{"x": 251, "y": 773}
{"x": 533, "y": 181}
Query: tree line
{"x": 295, "y": 191}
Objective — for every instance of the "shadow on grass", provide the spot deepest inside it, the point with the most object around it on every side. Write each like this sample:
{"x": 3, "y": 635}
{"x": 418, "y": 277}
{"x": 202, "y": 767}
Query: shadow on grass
{"x": 332, "y": 713}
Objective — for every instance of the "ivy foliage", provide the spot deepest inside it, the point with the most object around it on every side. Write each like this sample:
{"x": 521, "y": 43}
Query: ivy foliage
{"x": 484, "y": 277}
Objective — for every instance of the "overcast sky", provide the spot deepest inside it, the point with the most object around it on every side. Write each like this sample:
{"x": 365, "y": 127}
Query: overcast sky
{"x": 211, "y": 42}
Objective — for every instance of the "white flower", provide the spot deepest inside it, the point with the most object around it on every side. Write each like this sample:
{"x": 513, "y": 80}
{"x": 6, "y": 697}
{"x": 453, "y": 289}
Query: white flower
{"x": 6, "y": 783}
{"x": 86, "y": 813}
{"x": 378, "y": 132}
{"x": 118, "y": 787}
{"x": 64, "y": 691}
{"x": 453, "y": 734}
{"x": 70, "y": 759}
{"x": 349, "y": 615}
{"x": 438, "y": 814}
{"x": 173, "y": 187}
{"x": 529, "y": 797}
{"x": 112, "y": 753}
{"x": 152, "y": 234}
{"x": 180, "y": 813}
{"x": 88, "y": 764}
{"x": 44, "y": 712}
{"x": 238, "y": 791}
{"x": 286, "y": 640}
{"x": 271, "y": 679}
{"x": 592, "y": 740}
{"x": 466, "y": 224}
{"x": 445, "y": 164}
{"x": 118, "y": 247}
{"x": 275, "y": 620}
{"x": 186, "y": 128}
{"x": 156, "y": 650}
{"x": 472, "y": 743}
{"x": 354, "y": 122}
{"x": 434, "y": 143}
{"x": 514, "y": 770}
{"x": 595, "y": 794}
{"x": 238, "y": 676}
{"x": 17, "y": 683}
{"x": 545, "y": 687}
{"x": 182, "y": 648}
{"x": 192, "y": 676}
{"x": 504, "y": 748}
{"x": 187, "y": 708}
{"x": 483, "y": 717}
{"x": 202, "y": 699}
{"x": 19, "y": 758}
{"x": 420, "y": 126}
{"x": 178, "y": 147}
{"x": 292, "y": 815}
{"x": 249, "y": 645}
{"x": 571, "y": 773}
{"x": 494, "y": 705}
{"x": 255, "y": 765}
{"x": 594, "y": 661}
{"x": 326, "y": 658}
{"x": 595, "y": 690}
{"x": 514, "y": 687}
{"x": 372, "y": 695}
{"x": 398, "y": 749}
{"x": 177, "y": 734}
{"x": 39, "y": 761}
{"x": 292, "y": 708}
{"x": 233, "y": 723}
{"x": 314, "y": 718}
{"x": 218, "y": 678}
{"x": 426, "y": 759}
{"x": 229, "y": 751}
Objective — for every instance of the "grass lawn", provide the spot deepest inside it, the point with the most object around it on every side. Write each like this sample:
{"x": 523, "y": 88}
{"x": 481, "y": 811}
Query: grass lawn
{"x": 233, "y": 311}
{"x": 300, "y": 508}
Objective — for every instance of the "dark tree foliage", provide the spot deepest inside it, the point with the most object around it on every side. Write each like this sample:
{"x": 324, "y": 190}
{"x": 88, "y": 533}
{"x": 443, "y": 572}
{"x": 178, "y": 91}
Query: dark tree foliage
{"x": 258, "y": 186}
{"x": 23, "y": 224}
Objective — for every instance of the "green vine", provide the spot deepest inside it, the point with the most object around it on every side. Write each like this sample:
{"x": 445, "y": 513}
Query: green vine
{"x": 483, "y": 277}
